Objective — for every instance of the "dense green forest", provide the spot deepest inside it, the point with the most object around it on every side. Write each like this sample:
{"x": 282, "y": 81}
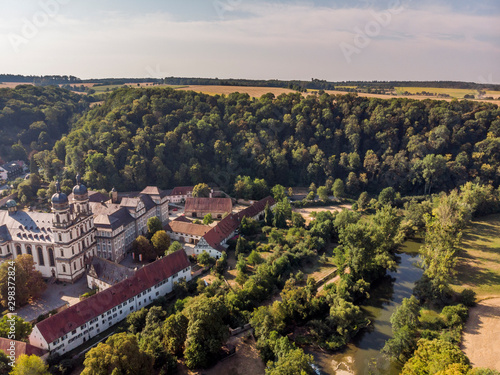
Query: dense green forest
{"x": 34, "y": 118}
{"x": 167, "y": 137}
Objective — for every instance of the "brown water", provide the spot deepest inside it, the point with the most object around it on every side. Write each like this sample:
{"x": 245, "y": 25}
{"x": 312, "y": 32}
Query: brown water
{"x": 362, "y": 356}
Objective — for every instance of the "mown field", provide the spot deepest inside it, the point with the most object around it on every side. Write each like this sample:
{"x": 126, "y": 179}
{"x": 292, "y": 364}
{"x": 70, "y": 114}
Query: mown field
{"x": 479, "y": 260}
{"x": 454, "y": 93}
{"x": 257, "y": 92}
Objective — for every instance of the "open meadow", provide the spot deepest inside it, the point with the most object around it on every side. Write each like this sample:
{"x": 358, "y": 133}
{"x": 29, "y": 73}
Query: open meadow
{"x": 479, "y": 269}
{"x": 479, "y": 260}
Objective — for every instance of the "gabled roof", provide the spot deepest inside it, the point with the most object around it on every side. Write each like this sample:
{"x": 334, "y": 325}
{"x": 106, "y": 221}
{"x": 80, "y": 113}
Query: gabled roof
{"x": 230, "y": 223}
{"x": 222, "y": 230}
{"x": 20, "y": 348}
{"x": 182, "y": 227}
{"x": 73, "y": 317}
{"x": 256, "y": 208}
{"x": 182, "y": 190}
{"x": 109, "y": 272}
{"x": 209, "y": 205}
{"x": 148, "y": 202}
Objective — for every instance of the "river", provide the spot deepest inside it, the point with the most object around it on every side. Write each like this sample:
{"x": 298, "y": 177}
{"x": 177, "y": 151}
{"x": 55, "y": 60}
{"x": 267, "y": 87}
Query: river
{"x": 362, "y": 356}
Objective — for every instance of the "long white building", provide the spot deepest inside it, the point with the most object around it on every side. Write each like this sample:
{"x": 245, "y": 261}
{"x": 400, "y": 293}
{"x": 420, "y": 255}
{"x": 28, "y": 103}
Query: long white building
{"x": 72, "y": 327}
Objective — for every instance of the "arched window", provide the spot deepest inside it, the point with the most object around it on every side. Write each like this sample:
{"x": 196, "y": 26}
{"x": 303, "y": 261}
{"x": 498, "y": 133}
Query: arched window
{"x": 64, "y": 268}
{"x": 51, "y": 258}
{"x": 57, "y": 219}
{"x": 62, "y": 252}
{"x": 41, "y": 261}
{"x": 18, "y": 250}
{"x": 28, "y": 250}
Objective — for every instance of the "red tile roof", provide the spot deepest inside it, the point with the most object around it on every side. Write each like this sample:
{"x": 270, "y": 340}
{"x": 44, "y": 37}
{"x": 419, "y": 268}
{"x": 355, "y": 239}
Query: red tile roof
{"x": 231, "y": 222}
{"x": 20, "y": 348}
{"x": 256, "y": 208}
{"x": 222, "y": 230}
{"x": 182, "y": 190}
{"x": 216, "y": 205}
{"x": 73, "y": 317}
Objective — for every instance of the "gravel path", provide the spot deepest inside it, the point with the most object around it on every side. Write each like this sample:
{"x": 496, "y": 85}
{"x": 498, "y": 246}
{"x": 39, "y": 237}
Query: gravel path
{"x": 481, "y": 336}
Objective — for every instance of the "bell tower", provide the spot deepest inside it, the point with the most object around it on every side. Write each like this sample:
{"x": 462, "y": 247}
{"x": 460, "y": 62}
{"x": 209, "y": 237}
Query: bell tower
{"x": 60, "y": 209}
{"x": 81, "y": 198}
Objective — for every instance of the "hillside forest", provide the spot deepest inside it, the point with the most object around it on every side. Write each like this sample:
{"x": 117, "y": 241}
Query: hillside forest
{"x": 159, "y": 136}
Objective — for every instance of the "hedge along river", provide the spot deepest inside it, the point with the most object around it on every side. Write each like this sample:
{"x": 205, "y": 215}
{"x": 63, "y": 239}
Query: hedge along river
{"x": 363, "y": 355}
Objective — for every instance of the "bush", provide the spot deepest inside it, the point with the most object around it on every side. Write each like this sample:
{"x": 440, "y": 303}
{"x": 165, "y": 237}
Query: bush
{"x": 468, "y": 297}
{"x": 455, "y": 315}
{"x": 88, "y": 294}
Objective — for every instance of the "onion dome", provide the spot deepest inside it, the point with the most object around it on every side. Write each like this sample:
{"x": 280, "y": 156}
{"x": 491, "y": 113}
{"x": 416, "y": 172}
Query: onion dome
{"x": 59, "y": 199}
{"x": 11, "y": 203}
{"x": 80, "y": 190}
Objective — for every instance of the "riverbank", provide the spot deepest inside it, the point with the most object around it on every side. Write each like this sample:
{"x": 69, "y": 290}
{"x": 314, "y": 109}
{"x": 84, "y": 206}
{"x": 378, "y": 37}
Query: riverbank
{"x": 363, "y": 356}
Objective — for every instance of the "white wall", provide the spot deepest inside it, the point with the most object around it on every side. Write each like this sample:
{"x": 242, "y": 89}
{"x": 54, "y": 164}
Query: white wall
{"x": 111, "y": 317}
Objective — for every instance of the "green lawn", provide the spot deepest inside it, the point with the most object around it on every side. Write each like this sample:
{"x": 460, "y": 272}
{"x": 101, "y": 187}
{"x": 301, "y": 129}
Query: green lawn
{"x": 479, "y": 260}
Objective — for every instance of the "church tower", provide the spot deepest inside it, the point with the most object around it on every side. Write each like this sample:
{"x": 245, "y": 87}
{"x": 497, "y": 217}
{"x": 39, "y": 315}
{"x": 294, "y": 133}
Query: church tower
{"x": 60, "y": 208}
{"x": 81, "y": 198}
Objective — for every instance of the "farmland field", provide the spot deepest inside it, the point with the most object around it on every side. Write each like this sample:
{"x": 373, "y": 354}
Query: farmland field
{"x": 257, "y": 92}
{"x": 479, "y": 261}
{"x": 12, "y": 85}
{"x": 454, "y": 93}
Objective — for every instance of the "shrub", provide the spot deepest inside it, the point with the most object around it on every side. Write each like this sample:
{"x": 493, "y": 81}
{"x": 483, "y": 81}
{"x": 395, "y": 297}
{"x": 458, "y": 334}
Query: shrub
{"x": 468, "y": 297}
{"x": 455, "y": 315}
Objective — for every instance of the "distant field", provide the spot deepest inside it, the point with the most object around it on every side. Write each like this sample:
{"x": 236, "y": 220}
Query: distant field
{"x": 12, "y": 85}
{"x": 107, "y": 88}
{"x": 455, "y": 93}
{"x": 255, "y": 92}
{"x": 479, "y": 262}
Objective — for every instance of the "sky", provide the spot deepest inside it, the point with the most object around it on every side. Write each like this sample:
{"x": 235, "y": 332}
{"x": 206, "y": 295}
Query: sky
{"x": 335, "y": 40}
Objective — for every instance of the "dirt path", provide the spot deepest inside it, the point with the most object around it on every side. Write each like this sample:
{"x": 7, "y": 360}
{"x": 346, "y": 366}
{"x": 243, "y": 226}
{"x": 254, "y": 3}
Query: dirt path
{"x": 481, "y": 336}
{"x": 306, "y": 212}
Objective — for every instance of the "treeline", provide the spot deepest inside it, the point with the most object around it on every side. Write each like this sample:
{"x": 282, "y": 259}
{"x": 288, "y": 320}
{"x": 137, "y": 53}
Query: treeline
{"x": 314, "y": 84}
{"x": 40, "y": 80}
{"x": 34, "y": 118}
{"x": 318, "y": 84}
{"x": 164, "y": 137}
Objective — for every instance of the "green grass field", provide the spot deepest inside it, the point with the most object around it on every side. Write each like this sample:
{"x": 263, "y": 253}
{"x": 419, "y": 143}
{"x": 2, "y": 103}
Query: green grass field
{"x": 479, "y": 261}
{"x": 454, "y": 93}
